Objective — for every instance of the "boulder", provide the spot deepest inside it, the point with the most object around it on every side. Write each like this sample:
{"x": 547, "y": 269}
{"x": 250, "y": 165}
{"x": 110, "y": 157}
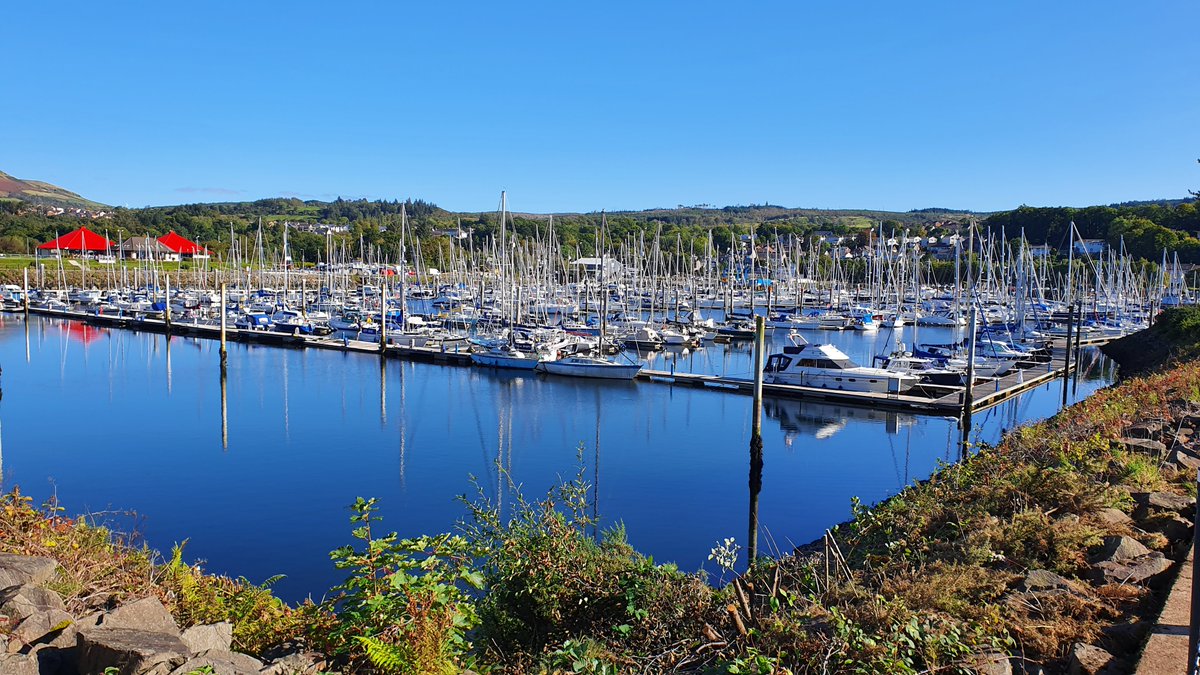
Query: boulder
{"x": 1144, "y": 446}
{"x": 1163, "y": 501}
{"x": 1088, "y": 660}
{"x": 1144, "y": 429}
{"x": 1141, "y": 570}
{"x": 1112, "y": 516}
{"x": 1170, "y": 525}
{"x": 130, "y": 651}
{"x": 145, "y": 614}
{"x": 222, "y": 662}
{"x": 18, "y": 602}
{"x": 218, "y": 636}
{"x": 1185, "y": 458}
{"x": 42, "y": 623}
{"x": 18, "y": 664}
{"x": 1119, "y": 548}
{"x": 17, "y": 570}
{"x": 296, "y": 663}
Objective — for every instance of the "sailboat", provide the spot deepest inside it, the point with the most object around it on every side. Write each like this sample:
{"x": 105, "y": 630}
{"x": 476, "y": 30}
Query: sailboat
{"x": 598, "y": 367}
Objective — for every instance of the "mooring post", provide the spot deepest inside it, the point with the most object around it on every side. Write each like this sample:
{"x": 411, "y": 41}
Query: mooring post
{"x": 968, "y": 399}
{"x": 756, "y": 444}
{"x": 1193, "y": 667}
{"x": 1067, "y": 354}
{"x": 224, "y": 351}
{"x": 25, "y": 297}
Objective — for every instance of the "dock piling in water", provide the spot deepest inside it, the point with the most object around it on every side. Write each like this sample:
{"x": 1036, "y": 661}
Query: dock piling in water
{"x": 756, "y": 443}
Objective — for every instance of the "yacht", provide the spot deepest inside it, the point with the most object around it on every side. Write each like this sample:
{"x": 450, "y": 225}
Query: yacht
{"x": 827, "y": 367}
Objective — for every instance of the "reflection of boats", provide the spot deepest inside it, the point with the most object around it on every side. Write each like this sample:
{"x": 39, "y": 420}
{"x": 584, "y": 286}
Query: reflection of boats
{"x": 83, "y": 332}
{"x": 823, "y": 420}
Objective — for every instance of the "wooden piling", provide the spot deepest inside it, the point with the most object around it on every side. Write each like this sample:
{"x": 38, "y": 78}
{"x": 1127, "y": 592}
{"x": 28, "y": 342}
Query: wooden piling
{"x": 756, "y": 444}
{"x": 1067, "y": 354}
{"x": 224, "y": 351}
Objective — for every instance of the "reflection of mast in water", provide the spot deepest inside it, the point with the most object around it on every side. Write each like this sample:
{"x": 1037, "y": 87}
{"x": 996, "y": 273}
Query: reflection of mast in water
{"x": 26, "y": 341}
{"x": 168, "y": 344}
{"x": 403, "y": 422}
{"x": 224, "y": 412}
{"x": 382, "y": 392}
{"x": 286, "y": 425}
{"x": 596, "y": 472}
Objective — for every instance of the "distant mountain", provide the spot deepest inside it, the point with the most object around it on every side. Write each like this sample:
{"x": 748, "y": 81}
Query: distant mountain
{"x": 43, "y": 194}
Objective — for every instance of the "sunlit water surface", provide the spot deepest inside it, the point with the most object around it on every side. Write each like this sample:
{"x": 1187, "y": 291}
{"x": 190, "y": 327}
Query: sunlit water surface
{"x": 117, "y": 422}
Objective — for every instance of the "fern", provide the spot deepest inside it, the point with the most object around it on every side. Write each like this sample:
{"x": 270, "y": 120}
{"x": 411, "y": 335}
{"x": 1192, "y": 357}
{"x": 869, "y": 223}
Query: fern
{"x": 389, "y": 658}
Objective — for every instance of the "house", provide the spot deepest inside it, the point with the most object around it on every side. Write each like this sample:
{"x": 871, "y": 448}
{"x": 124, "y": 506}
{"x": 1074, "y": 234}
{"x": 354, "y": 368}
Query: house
{"x": 182, "y": 247}
{"x": 595, "y": 266}
{"x": 828, "y": 237}
{"x": 1089, "y": 246}
{"x": 1040, "y": 250}
{"x": 454, "y": 233}
{"x": 146, "y": 248}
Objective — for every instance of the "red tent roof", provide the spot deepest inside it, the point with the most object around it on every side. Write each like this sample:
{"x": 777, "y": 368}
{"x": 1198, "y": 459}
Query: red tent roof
{"x": 82, "y": 239}
{"x": 179, "y": 244}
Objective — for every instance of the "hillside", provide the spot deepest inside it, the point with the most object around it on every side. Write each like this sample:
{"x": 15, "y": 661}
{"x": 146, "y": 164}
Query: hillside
{"x": 41, "y": 193}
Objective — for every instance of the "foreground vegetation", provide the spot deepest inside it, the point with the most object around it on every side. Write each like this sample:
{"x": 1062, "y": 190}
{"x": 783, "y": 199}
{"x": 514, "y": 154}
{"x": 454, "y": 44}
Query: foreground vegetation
{"x": 934, "y": 579}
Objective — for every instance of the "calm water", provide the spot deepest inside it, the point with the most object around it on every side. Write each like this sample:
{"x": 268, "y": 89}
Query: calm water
{"x": 116, "y": 421}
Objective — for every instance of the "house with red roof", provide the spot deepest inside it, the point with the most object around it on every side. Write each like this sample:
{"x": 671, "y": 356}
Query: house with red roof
{"x": 80, "y": 241}
{"x": 183, "y": 246}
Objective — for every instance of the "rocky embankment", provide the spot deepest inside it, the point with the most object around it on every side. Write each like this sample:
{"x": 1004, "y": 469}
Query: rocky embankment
{"x": 133, "y": 637}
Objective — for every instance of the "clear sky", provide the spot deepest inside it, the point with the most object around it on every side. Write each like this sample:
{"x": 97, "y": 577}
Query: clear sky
{"x": 618, "y": 105}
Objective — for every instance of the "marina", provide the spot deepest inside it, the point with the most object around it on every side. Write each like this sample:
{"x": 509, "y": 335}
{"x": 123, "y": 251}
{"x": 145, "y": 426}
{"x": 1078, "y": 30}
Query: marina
{"x": 940, "y": 400}
{"x": 294, "y": 435}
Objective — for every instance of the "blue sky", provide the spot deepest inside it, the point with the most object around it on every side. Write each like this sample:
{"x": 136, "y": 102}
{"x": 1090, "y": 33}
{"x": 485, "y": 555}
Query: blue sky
{"x": 584, "y": 106}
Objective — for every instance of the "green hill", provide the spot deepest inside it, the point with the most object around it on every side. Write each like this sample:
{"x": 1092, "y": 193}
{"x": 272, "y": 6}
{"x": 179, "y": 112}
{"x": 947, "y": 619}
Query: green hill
{"x": 38, "y": 192}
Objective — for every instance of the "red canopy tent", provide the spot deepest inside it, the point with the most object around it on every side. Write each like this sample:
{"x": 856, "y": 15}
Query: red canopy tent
{"x": 80, "y": 240}
{"x": 181, "y": 245}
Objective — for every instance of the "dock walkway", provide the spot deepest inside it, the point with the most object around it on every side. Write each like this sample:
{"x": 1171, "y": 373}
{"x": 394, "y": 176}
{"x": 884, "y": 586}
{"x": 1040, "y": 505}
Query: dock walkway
{"x": 938, "y": 400}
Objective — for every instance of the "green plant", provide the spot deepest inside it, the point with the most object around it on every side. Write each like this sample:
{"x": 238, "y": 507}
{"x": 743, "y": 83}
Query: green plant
{"x": 260, "y": 620}
{"x": 406, "y": 606}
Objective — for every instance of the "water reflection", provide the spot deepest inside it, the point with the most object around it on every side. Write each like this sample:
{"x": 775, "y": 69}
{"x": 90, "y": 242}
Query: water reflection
{"x": 823, "y": 421}
{"x": 670, "y": 462}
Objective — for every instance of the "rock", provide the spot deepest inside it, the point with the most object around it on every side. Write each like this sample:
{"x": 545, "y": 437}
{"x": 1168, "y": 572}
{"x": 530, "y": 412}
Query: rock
{"x": 217, "y": 636}
{"x": 146, "y": 614}
{"x": 1119, "y": 548}
{"x": 130, "y": 651}
{"x": 1044, "y": 580}
{"x": 18, "y": 602}
{"x": 990, "y": 664}
{"x": 1185, "y": 458}
{"x": 1144, "y": 446}
{"x": 1113, "y": 516}
{"x": 296, "y": 663}
{"x": 41, "y": 624}
{"x": 1144, "y": 429}
{"x": 1164, "y": 501}
{"x": 222, "y": 662}
{"x": 17, "y": 570}
{"x": 1088, "y": 660}
{"x": 1169, "y": 525}
{"x": 1126, "y": 637}
{"x": 1140, "y": 570}
{"x": 19, "y": 664}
